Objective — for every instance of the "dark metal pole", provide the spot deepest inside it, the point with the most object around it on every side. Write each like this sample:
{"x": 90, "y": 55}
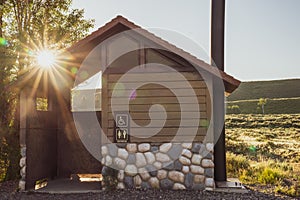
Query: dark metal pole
{"x": 217, "y": 56}
{"x": 217, "y": 32}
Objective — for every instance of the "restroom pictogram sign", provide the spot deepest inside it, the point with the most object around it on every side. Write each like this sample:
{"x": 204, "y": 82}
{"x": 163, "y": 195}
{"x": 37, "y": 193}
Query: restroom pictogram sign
{"x": 121, "y": 134}
{"x": 122, "y": 127}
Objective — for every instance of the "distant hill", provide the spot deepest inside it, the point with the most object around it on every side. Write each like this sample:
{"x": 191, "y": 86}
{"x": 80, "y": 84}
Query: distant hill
{"x": 283, "y": 97}
{"x": 273, "y": 106}
{"x": 266, "y": 89}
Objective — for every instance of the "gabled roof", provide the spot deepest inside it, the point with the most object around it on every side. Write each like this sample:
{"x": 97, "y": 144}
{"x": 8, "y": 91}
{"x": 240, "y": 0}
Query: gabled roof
{"x": 230, "y": 82}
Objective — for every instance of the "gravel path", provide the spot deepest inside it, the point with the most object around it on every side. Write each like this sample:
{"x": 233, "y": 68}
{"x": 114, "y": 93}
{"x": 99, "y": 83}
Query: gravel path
{"x": 8, "y": 191}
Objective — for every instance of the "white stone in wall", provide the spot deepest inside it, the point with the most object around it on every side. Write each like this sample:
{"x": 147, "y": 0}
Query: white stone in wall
{"x": 103, "y": 185}
{"x": 176, "y": 176}
{"x": 122, "y": 153}
{"x": 120, "y": 163}
{"x": 108, "y": 161}
{"x": 207, "y": 163}
{"x": 121, "y": 175}
{"x": 184, "y": 160}
{"x": 144, "y": 147}
{"x": 140, "y": 160}
{"x": 131, "y": 170}
{"x": 154, "y": 182}
{"x": 161, "y": 157}
{"x": 199, "y": 179}
{"x": 162, "y": 174}
{"x": 23, "y": 171}
{"x": 22, "y": 185}
{"x": 209, "y": 182}
{"x": 186, "y": 145}
{"x": 157, "y": 165}
{"x": 178, "y": 186}
{"x": 195, "y": 169}
{"x": 22, "y": 162}
{"x": 103, "y": 161}
{"x": 131, "y": 148}
{"x": 164, "y": 148}
{"x": 23, "y": 151}
{"x": 187, "y": 153}
{"x": 120, "y": 186}
{"x": 104, "y": 150}
{"x": 144, "y": 174}
{"x": 150, "y": 157}
{"x": 196, "y": 159}
{"x": 210, "y": 147}
{"x": 137, "y": 181}
{"x": 185, "y": 169}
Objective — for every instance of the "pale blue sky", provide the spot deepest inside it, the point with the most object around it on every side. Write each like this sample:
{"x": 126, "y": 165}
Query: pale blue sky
{"x": 262, "y": 36}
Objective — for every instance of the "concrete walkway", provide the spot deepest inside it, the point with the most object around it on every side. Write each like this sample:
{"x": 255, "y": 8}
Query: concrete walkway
{"x": 68, "y": 186}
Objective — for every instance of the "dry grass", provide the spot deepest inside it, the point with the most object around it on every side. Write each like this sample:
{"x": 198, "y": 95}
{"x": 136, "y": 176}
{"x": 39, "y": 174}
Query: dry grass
{"x": 270, "y": 146}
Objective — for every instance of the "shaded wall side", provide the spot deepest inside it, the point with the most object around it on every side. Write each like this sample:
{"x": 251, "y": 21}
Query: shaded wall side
{"x": 73, "y": 157}
{"x": 41, "y": 145}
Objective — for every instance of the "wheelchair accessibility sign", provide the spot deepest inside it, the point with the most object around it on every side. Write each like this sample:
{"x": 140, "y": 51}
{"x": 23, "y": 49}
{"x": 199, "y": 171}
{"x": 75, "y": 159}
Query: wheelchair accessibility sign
{"x": 122, "y": 120}
{"x": 122, "y": 127}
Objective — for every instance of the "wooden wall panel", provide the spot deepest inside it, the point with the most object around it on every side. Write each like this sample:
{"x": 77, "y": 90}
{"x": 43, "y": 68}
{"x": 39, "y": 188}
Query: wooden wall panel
{"x": 159, "y": 115}
{"x": 172, "y": 85}
{"x": 157, "y": 99}
{"x": 125, "y": 95}
{"x": 73, "y": 157}
{"x": 41, "y": 147}
{"x": 148, "y": 132}
{"x": 147, "y": 77}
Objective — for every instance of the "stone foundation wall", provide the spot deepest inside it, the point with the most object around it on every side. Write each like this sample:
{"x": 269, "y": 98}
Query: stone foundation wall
{"x": 161, "y": 166}
{"x": 23, "y": 169}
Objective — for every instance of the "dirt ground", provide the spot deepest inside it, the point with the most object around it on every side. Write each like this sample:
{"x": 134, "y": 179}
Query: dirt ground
{"x": 8, "y": 190}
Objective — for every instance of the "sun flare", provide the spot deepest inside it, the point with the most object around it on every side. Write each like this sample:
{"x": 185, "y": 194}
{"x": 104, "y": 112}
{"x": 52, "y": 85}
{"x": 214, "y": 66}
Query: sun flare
{"x": 46, "y": 59}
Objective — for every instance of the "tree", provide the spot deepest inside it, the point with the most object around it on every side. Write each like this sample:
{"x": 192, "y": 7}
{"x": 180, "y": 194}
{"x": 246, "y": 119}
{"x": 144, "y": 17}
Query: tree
{"x": 6, "y": 98}
{"x": 234, "y": 109}
{"x": 45, "y": 24}
{"x": 262, "y": 102}
{"x": 27, "y": 26}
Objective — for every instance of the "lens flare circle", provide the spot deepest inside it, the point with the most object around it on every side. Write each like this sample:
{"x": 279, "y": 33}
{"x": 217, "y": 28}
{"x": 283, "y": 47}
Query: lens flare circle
{"x": 3, "y": 42}
{"x": 94, "y": 143}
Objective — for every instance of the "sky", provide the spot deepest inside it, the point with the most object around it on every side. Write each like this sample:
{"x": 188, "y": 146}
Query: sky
{"x": 262, "y": 37}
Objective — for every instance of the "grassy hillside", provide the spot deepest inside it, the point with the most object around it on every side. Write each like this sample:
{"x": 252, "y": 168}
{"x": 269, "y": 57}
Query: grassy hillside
{"x": 266, "y": 89}
{"x": 273, "y": 106}
{"x": 283, "y": 97}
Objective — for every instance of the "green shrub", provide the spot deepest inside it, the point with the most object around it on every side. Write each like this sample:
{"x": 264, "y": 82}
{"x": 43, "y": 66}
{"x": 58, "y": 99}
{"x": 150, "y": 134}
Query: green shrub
{"x": 269, "y": 176}
{"x": 234, "y": 109}
{"x": 236, "y": 164}
{"x": 281, "y": 166}
{"x": 9, "y": 154}
{"x": 293, "y": 191}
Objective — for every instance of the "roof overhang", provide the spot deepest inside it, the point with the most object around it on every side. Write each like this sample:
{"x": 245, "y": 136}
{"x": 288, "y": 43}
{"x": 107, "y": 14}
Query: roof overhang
{"x": 120, "y": 24}
{"x": 230, "y": 82}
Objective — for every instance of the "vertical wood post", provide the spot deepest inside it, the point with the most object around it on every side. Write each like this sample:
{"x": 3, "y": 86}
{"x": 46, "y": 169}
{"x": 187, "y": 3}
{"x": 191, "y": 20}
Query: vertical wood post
{"x": 217, "y": 56}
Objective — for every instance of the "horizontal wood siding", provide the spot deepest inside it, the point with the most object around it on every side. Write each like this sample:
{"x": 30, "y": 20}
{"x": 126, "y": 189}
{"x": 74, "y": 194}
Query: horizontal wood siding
{"x": 141, "y": 77}
{"x": 140, "y": 93}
